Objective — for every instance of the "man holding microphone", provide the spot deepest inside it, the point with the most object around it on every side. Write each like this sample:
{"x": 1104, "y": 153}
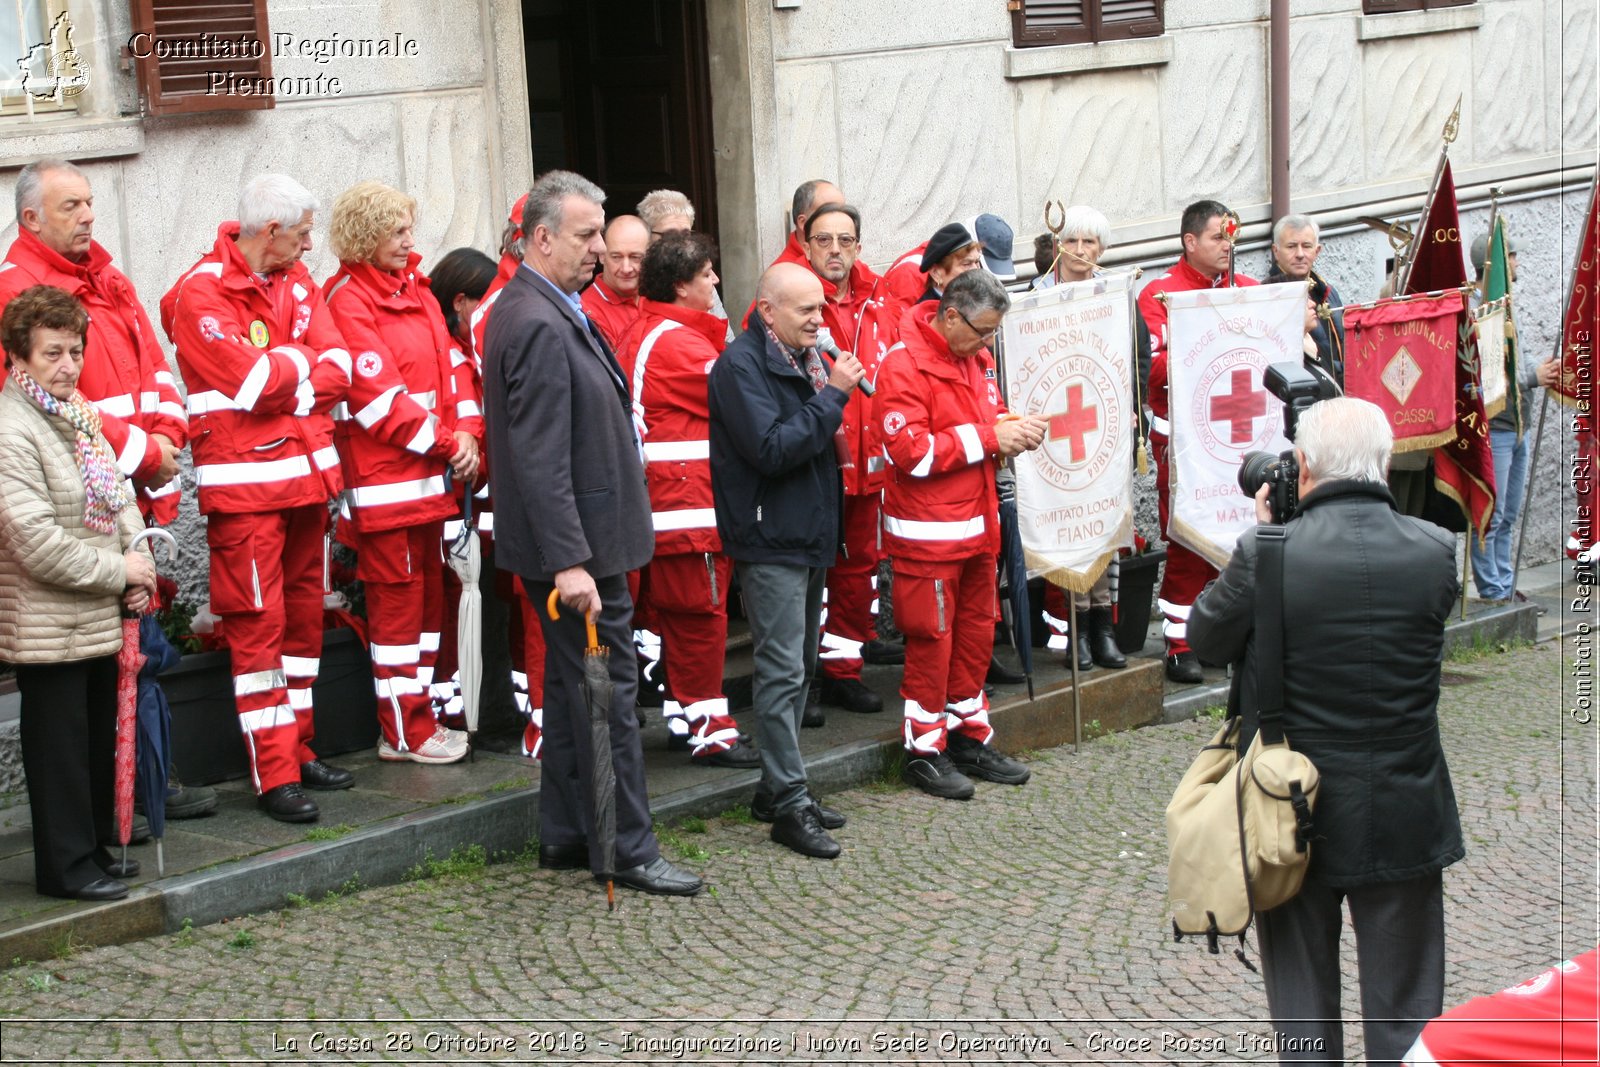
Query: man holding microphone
{"x": 775, "y": 404}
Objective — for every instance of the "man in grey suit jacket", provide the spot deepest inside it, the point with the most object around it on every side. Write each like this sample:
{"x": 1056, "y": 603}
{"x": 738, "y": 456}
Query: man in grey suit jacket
{"x": 573, "y": 516}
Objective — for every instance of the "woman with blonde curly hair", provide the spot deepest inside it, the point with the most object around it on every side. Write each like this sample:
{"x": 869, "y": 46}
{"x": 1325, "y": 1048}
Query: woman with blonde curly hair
{"x": 413, "y": 421}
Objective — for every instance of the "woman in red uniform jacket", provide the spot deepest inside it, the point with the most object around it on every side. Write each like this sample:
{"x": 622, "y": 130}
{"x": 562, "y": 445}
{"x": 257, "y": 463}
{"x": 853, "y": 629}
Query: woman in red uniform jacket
{"x": 412, "y": 418}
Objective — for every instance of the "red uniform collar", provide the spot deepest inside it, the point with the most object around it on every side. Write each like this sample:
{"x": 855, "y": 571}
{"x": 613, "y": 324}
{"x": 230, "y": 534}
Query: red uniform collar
{"x": 704, "y": 323}
{"x": 29, "y": 249}
{"x": 929, "y": 348}
{"x": 611, "y": 296}
{"x": 398, "y": 291}
{"x": 1193, "y": 279}
{"x": 237, "y": 272}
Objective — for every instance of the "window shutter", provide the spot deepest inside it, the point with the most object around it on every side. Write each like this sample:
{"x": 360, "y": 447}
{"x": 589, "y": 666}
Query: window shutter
{"x": 178, "y": 85}
{"x": 1122, "y": 19}
{"x": 1384, "y": 7}
{"x": 1045, "y": 22}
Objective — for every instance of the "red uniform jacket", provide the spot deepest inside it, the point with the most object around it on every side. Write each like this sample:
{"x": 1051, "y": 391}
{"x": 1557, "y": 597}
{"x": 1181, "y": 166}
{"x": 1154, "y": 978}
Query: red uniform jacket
{"x": 410, "y": 392}
{"x": 264, "y": 363}
{"x": 667, "y": 355}
{"x": 613, "y": 314}
{"x": 482, "y": 505}
{"x": 904, "y": 282}
{"x": 1179, "y": 278}
{"x": 938, "y": 414}
{"x": 125, "y": 374}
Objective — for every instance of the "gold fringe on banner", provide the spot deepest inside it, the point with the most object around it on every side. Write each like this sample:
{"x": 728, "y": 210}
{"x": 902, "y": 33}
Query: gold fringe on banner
{"x": 1432, "y": 440}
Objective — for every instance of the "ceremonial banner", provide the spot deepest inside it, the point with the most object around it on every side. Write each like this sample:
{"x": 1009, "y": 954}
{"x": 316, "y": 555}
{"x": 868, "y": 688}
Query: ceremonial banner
{"x": 1401, "y": 355}
{"x": 1069, "y": 357}
{"x": 1575, "y": 387}
{"x": 1221, "y": 342}
{"x": 1463, "y": 470}
{"x": 1489, "y": 323}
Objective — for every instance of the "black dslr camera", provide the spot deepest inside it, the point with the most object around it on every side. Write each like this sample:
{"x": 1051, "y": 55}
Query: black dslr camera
{"x": 1298, "y": 388}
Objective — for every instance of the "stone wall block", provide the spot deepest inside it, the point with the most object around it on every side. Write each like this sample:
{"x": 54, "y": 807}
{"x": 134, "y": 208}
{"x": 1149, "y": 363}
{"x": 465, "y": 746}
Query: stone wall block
{"x": 1574, "y": 82}
{"x": 1409, "y": 92}
{"x": 1325, "y": 134}
{"x": 447, "y": 40}
{"x": 1508, "y": 78}
{"x": 832, "y": 27}
{"x": 1217, "y": 136}
{"x": 808, "y": 129}
{"x": 1093, "y": 139}
{"x": 444, "y": 141}
{"x": 925, "y": 139}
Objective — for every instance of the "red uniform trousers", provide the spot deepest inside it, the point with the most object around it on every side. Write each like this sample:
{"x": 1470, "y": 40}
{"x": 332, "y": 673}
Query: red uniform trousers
{"x": 1186, "y": 572}
{"x": 685, "y": 595}
{"x": 947, "y": 612}
{"x": 527, "y": 667}
{"x": 852, "y": 594}
{"x": 405, "y": 596}
{"x": 268, "y": 574}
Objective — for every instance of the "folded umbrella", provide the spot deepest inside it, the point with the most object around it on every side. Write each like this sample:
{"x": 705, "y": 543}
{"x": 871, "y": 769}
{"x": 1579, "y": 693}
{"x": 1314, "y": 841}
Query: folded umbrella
{"x": 153, "y": 751}
{"x": 466, "y": 559}
{"x": 130, "y": 662}
{"x": 1014, "y": 571}
{"x": 598, "y": 689}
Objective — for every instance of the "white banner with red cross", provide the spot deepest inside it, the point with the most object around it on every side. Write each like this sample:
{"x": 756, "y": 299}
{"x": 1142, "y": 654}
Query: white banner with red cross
{"x": 1220, "y": 344}
{"x": 1069, "y": 356}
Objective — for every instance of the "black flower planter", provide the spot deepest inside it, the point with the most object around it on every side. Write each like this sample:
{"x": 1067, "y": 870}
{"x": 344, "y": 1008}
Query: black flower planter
{"x": 206, "y": 746}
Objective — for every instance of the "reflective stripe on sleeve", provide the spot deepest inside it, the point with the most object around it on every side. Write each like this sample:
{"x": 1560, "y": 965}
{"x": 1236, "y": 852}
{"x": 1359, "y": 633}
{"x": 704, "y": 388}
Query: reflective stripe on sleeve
{"x": 254, "y": 383}
{"x": 971, "y": 444}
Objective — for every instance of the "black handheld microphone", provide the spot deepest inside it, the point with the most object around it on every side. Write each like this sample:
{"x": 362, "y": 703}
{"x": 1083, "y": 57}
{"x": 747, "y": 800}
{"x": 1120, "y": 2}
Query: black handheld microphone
{"x": 827, "y": 346}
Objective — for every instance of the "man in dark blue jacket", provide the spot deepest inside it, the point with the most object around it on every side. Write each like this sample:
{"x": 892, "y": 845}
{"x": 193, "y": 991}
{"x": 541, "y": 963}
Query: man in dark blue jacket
{"x": 1366, "y": 593}
{"x": 776, "y": 405}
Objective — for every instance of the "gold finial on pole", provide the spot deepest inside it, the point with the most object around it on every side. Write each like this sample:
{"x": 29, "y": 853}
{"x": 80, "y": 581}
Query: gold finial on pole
{"x": 1452, "y": 125}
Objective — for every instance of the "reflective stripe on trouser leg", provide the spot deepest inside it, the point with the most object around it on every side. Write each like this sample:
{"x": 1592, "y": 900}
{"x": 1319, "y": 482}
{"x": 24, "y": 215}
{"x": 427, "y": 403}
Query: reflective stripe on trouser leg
{"x": 977, "y": 606}
{"x": 712, "y": 729}
{"x": 921, "y": 602}
{"x": 970, "y": 717}
{"x": 405, "y": 712}
{"x": 677, "y": 722}
{"x": 304, "y": 553}
{"x": 852, "y": 590}
{"x": 924, "y": 730}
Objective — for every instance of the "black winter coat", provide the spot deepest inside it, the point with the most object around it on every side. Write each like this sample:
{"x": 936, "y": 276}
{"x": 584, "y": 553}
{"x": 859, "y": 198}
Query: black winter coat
{"x": 1366, "y": 594}
{"x": 774, "y": 472}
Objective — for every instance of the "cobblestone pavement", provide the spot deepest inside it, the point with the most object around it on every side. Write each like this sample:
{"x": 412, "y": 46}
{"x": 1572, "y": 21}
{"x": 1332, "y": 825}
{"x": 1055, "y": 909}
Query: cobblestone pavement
{"x": 1025, "y": 925}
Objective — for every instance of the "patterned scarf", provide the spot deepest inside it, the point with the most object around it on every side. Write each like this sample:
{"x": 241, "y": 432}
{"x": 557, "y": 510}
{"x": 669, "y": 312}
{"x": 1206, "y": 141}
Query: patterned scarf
{"x": 813, "y": 368}
{"x": 106, "y": 495}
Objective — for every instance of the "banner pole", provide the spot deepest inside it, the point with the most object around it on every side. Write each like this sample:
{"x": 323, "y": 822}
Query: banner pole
{"x": 1072, "y": 661}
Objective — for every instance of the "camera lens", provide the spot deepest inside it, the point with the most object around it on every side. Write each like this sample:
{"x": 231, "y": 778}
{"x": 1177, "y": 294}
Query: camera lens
{"x": 1255, "y": 470}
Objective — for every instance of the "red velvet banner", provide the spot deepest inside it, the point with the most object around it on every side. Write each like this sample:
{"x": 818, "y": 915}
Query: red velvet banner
{"x": 1401, "y": 355}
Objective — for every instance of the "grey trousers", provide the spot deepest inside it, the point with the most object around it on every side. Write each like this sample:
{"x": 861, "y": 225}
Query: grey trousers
{"x": 784, "y": 605}
{"x": 1400, "y": 960}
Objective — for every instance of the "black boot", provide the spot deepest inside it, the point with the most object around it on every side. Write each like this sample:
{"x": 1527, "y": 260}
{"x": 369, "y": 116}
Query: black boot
{"x": 1103, "y": 640}
{"x": 1080, "y": 641}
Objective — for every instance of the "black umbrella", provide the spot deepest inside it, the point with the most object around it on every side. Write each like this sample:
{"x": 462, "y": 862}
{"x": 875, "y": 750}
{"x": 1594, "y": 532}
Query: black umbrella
{"x": 153, "y": 730}
{"x": 1014, "y": 569}
{"x": 598, "y": 689}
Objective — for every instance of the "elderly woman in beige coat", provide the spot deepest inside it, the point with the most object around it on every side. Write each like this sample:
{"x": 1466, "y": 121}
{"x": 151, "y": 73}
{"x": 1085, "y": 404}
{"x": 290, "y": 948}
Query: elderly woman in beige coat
{"x": 66, "y": 519}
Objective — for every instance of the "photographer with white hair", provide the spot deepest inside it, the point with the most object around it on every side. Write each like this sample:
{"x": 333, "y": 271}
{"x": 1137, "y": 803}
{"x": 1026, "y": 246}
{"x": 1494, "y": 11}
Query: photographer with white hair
{"x": 1366, "y": 592}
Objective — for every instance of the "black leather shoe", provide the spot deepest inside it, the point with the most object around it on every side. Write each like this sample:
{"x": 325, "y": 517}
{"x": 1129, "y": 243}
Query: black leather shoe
{"x": 813, "y": 716}
{"x": 1103, "y": 640}
{"x": 1080, "y": 638}
{"x": 761, "y": 811}
{"x": 937, "y": 776}
{"x": 1184, "y": 668}
{"x": 802, "y": 831}
{"x": 851, "y": 695}
{"x": 318, "y": 775}
{"x": 659, "y": 877}
{"x": 99, "y": 889}
{"x": 884, "y": 652}
{"x": 740, "y": 757}
{"x": 564, "y": 857}
{"x": 982, "y": 761}
{"x": 1000, "y": 674}
{"x": 118, "y": 868}
{"x": 287, "y": 803}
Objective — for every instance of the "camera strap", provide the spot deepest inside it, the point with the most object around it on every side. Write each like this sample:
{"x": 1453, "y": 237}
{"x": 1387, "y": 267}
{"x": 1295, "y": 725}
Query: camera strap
{"x": 1269, "y": 631}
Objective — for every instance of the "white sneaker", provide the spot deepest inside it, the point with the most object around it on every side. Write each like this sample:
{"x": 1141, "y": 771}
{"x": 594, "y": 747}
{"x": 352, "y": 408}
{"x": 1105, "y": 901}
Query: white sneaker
{"x": 445, "y": 746}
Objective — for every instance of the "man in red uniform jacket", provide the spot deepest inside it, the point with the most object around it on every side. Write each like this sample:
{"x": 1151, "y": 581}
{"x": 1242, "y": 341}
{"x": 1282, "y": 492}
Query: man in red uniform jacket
{"x": 667, "y": 356}
{"x": 264, "y": 364}
{"x": 125, "y": 375}
{"x": 1207, "y": 263}
{"x": 854, "y": 314}
{"x": 612, "y": 300}
{"x": 946, "y": 430}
